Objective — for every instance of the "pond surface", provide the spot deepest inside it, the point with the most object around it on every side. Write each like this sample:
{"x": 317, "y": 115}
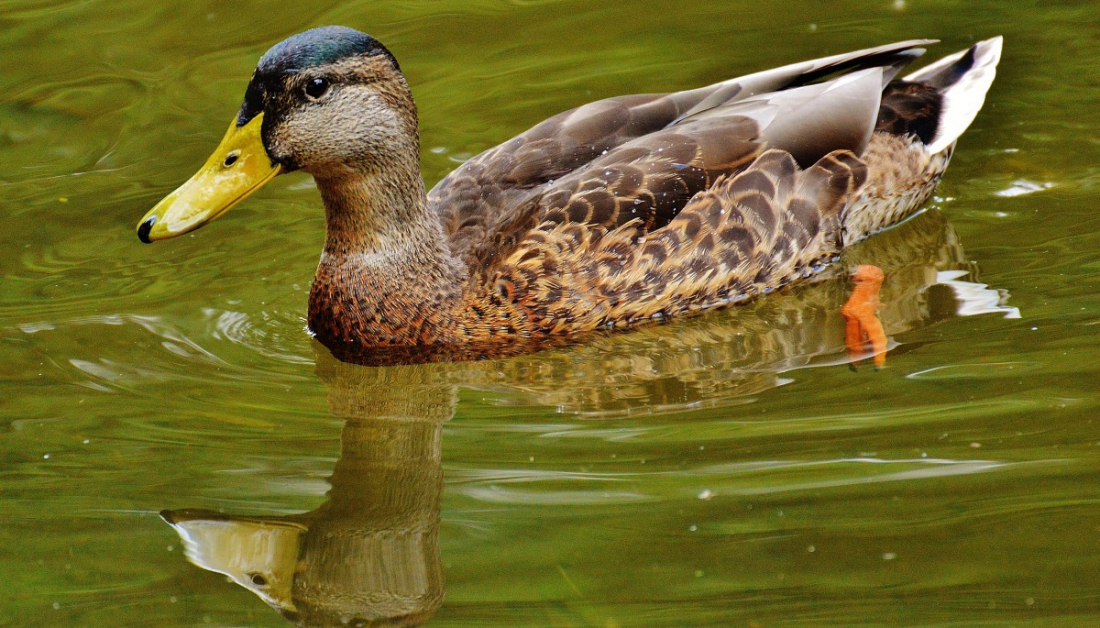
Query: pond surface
{"x": 730, "y": 470}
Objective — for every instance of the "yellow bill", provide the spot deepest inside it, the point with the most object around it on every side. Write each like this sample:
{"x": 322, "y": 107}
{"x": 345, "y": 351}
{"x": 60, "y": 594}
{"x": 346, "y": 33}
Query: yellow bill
{"x": 238, "y": 167}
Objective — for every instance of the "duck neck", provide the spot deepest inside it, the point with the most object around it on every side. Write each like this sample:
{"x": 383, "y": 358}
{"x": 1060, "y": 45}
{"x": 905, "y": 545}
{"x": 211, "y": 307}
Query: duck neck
{"x": 386, "y": 275}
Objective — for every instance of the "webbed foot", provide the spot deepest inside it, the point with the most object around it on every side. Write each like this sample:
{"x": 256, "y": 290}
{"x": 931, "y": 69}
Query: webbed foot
{"x": 864, "y": 330}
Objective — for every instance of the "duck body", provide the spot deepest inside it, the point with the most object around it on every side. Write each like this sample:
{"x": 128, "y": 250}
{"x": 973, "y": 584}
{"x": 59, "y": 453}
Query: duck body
{"x": 625, "y": 210}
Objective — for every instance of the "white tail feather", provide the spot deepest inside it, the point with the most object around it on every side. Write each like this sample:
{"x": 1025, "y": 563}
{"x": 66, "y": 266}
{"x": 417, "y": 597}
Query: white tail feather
{"x": 963, "y": 98}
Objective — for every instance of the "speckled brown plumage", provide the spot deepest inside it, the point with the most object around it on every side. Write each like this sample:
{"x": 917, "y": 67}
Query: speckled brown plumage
{"x": 621, "y": 211}
{"x": 744, "y": 235}
{"x": 640, "y": 208}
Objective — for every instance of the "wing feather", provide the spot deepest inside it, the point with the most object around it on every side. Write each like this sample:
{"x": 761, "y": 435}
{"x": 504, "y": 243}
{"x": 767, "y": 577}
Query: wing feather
{"x": 497, "y": 191}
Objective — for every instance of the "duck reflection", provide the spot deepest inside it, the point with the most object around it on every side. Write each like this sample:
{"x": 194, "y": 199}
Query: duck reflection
{"x": 370, "y": 555}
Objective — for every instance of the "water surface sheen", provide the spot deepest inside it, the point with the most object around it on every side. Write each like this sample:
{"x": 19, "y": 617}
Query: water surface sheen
{"x": 730, "y": 470}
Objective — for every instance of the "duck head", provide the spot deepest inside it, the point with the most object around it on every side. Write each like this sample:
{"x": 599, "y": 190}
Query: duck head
{"x": 330, "y": 101}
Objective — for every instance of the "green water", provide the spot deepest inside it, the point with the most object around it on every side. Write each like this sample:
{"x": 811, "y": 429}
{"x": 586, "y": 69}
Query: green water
{"x": 724, "y": 471}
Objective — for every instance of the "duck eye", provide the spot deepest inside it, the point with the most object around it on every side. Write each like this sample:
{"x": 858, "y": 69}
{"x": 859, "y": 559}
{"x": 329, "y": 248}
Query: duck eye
{"x": 316, "y": 87}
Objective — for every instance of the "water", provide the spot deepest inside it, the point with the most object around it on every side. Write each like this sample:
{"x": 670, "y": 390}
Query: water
{"x": 724, "y": 471}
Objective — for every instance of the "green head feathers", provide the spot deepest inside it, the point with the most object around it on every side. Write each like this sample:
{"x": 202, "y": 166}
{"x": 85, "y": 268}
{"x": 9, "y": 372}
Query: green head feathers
{"x": 311, "y": 49}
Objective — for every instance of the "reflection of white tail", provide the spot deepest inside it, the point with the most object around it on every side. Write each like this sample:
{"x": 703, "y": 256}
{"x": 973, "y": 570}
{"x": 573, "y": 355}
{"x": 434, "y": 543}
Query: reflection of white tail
{"x": 976, "y": 298}
{"x": 963, "y": 80}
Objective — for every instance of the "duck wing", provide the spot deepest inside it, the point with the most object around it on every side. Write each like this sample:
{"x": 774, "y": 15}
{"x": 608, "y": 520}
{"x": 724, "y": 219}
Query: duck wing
{"x": 747, "y": 234}
{"x": 594, "y": 164}
{"x": 643, "y": 184}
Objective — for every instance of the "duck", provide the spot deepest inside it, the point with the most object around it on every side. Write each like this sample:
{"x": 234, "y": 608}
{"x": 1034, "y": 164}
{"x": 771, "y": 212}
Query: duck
{"x": 623, "y": 211}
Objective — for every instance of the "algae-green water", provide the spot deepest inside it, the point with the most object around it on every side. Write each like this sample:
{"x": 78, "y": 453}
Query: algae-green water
{"x": 176, "y": 451}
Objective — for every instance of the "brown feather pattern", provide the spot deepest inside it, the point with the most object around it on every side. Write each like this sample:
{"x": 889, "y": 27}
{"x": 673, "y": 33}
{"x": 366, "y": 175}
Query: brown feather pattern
{"x": 745, "y": 235}
{"x": 640, "y": 208}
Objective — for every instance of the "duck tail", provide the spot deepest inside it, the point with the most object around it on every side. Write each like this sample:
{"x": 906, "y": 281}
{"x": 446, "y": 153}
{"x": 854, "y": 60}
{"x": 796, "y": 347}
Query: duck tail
{"x": 919, "y": 121}
{"x": 961, "y": 80}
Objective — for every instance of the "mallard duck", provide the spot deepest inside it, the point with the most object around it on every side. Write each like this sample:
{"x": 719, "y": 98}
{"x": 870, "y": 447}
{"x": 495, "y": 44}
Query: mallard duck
{"x": 624, "y": 210}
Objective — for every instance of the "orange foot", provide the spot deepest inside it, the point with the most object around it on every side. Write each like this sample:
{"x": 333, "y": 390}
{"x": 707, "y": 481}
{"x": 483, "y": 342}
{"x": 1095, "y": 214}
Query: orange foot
{"x": 861, "y": 311}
